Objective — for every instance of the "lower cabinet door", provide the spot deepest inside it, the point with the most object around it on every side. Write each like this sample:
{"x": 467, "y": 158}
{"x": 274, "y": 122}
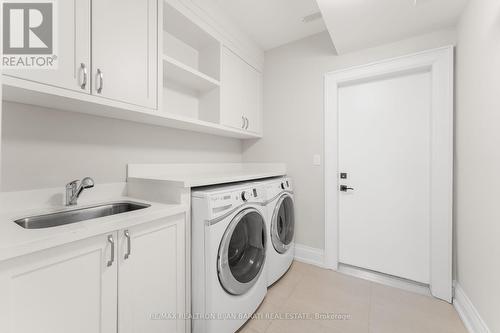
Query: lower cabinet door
{"x": 151, "y": 277}
{"x": 70, "y": 288}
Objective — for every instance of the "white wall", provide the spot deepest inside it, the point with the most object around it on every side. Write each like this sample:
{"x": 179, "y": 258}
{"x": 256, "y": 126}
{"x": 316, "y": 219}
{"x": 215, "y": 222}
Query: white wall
{"x": 293, "y": 115}
{"x": 47, "y": 148}
{"x": 477, "y": 172}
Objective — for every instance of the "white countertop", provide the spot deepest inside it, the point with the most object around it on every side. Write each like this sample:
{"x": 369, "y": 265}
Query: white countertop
{"x": 195, "y": 175}
{"x": 16, "y": 241}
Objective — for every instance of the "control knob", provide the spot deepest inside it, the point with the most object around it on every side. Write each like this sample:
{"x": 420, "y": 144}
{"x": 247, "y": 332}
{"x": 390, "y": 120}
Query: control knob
{"x": 245, "y": 195}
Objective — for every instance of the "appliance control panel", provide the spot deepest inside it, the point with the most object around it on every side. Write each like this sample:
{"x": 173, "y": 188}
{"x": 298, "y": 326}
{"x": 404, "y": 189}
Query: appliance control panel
{"x": 279, "y": 186}
{"x": 285, "y": 184}
{"x": 223, "y": 202}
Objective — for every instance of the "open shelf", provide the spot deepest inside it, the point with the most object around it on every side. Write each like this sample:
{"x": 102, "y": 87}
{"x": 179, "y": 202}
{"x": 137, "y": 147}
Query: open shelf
{"x": 176, "y": 71}
{"x": 191, "y": 61}
{"x": 188, "y": 44}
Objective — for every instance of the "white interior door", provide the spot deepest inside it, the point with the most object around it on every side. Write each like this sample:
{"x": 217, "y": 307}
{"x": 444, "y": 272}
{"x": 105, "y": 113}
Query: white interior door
{"x": 385, "y": 151}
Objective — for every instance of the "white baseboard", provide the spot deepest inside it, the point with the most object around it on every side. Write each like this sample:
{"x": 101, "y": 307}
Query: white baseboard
{"x": 467, "y": 312}
{"x": 387, "y": 280}
{"x": 309, "y": 255}
{"x": 314, "y": 256}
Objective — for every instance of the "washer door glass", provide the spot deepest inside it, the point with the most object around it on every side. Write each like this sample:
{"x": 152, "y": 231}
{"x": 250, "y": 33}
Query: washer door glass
{"x": 242, "y": 252}
{"x": 283, "y": 224}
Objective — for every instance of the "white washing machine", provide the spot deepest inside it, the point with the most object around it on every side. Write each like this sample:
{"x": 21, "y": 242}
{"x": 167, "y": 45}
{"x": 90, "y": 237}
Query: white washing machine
{"x": 280, "y": 224}
{"x": 229, "y": 248}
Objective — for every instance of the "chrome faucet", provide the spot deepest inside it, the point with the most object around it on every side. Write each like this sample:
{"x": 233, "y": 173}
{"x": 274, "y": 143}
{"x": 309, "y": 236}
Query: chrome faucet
{"x": 73, "y": 190}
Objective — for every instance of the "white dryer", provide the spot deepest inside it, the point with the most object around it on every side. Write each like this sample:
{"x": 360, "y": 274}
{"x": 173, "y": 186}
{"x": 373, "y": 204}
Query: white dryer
{"x": 229, "y": 247}
{"x": 280, "y": 223}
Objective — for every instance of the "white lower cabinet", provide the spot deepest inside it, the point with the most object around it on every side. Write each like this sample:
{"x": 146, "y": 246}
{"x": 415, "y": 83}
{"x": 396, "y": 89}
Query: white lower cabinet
{"x": 89, "y": 287}
{"x": 151, "y": 279}
{"x": 69, "y": 288}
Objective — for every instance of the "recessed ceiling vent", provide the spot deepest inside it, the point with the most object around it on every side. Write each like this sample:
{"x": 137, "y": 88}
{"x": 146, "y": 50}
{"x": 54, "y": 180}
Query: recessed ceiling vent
{"x": 311, "y": 18}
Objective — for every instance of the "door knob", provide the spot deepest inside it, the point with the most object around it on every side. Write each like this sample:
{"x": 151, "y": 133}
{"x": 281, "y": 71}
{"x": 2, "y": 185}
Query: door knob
{"x": 344, "y": 188}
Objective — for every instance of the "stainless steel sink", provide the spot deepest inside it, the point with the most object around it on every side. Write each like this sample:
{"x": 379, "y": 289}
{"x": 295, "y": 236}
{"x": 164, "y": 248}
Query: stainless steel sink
{"x": 78, "y": 215}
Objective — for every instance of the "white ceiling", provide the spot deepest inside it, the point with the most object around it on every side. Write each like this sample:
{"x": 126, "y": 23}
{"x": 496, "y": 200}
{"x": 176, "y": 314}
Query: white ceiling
{"x": 358, "y": 24}
{"x": 271, "y": 23}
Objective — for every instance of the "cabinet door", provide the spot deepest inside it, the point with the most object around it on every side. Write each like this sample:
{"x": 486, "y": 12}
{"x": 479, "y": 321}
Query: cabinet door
{"x": 254, "y": 110}
{"x": 65, "y": 289}
{"x": 124, "y": 50}
{"x": 73, "y": 50}
{"x": 241, "y": 93}
{"x": 232, "y": 90}
{"x": 151, "y": 279}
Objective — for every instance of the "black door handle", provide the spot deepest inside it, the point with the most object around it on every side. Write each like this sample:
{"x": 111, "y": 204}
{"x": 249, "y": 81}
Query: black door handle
{"x": 344, "y": 188}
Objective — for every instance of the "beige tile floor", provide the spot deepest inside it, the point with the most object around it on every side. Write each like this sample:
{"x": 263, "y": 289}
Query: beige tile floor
{"x": 373, "y": 308}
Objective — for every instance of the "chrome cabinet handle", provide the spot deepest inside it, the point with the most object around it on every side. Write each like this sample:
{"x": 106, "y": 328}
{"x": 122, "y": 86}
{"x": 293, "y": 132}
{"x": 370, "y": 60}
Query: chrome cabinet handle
{"x": 112, "y": 242}
{"x": 248, "y": 123}
{"x": 244, "y": 122}
{"x": 83, "y": 70}
{"x": 100, "y": 76}
{"x": 129, "y": 248}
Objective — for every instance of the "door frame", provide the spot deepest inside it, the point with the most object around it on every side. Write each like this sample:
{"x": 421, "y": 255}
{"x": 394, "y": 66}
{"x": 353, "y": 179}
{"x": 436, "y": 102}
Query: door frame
{"x": 439, "y": 62}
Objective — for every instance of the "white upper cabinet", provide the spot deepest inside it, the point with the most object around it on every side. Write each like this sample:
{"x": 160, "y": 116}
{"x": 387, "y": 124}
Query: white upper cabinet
{"x": 241, "y": 93}
{"x": 73, "y": 50}
{"x": 70, "y": 288}
{"x": 125, "y": 50}
{"x": 255, "y": 102}
{"x": 162, "y": 62}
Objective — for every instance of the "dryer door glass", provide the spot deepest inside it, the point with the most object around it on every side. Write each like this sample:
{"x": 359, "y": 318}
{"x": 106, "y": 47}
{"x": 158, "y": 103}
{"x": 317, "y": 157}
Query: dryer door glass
{"x": 242, "y": 252}
{"x": 283, "y": 224}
